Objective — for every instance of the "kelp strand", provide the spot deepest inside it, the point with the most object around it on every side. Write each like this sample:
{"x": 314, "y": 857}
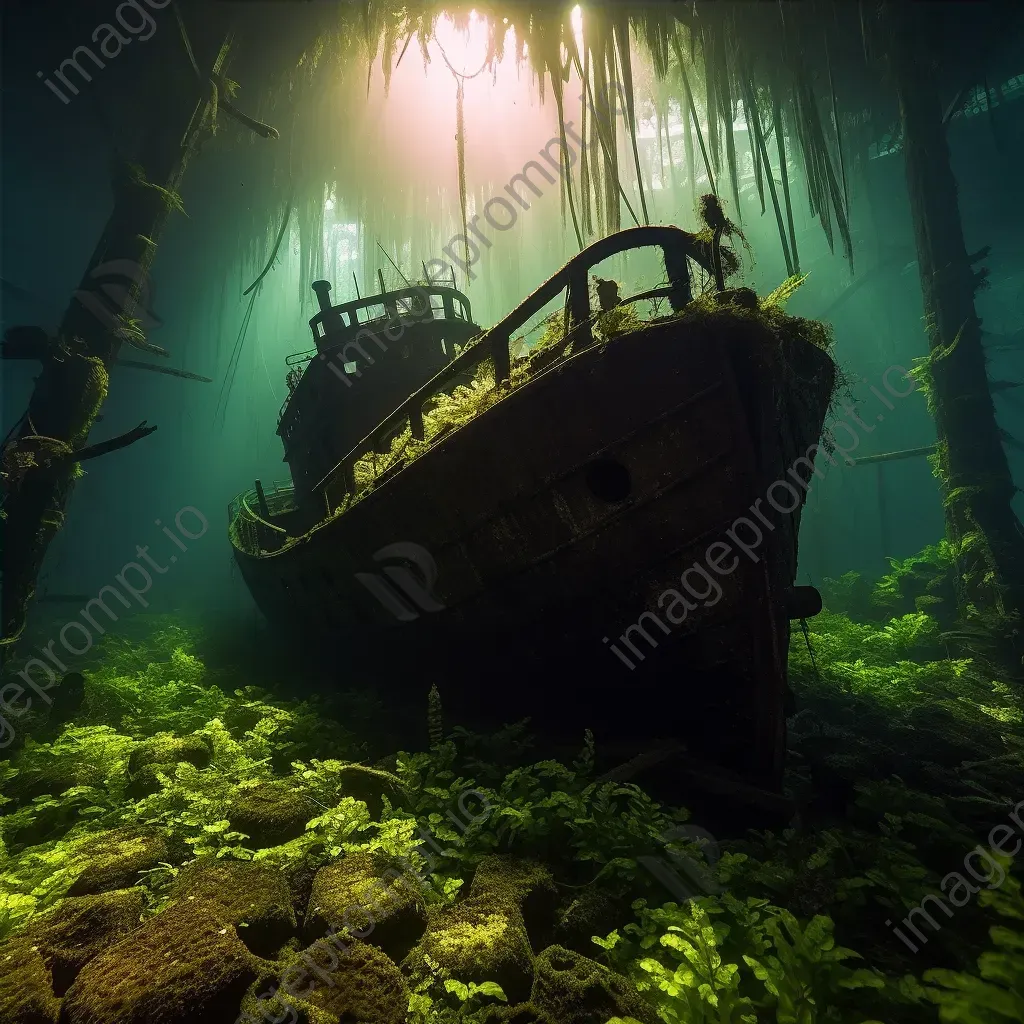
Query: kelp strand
{"x": 711, "y": 99}
{"x": 611, "y": 167}
{"x": 585, "y": 183}
{"x": 835, "y": 123}
{"x": 693, "y": 117}
{"x": 755, "y": 152}
{"x": 727, "y": 111}
{"x": 460, "y": 146}
{"x": 754, "y": 118}
{"x": 784, "y": 174}
{"x": 626, "y": 76}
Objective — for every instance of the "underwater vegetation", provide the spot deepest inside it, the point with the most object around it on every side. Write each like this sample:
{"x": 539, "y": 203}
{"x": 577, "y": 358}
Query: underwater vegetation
{"x": 191, "y": 849}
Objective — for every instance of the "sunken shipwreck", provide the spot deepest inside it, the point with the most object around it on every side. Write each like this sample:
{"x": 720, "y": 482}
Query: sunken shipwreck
{"x": 509, "y": 512}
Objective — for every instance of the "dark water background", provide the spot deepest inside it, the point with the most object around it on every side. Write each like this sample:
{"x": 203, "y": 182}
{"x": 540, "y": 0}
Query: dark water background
{"x": 56, "y": 197}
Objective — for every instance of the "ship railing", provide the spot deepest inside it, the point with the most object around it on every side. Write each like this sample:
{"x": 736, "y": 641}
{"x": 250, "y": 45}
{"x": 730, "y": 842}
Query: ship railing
{"x": 252, "y": 531}
{"x": 415, "y": 304}
{"x": 494, "y": 344}
{"x": 387, "y": 311}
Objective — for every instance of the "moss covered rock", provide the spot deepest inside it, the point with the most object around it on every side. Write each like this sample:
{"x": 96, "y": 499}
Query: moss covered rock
{"x": 366, "y": 986}
{"x": 271, "y": 813}
{"x": 483, "y": 938}
{"x": 333, "y": 981}
{"x": 185, "y": 964}
{"x": 168, "y": 749}
{"x": 570, "y": 989}
{"x": 115, "y": 859}
{"x": 55, "y": 776}
{"x": 363, "y": 890}
{"x": 26, "y": 985}
{"x": 525, "y": 883}
{"x": 80, "y": 928}
{"x": 254, "y": 897}
{"x": 370, "y": 785}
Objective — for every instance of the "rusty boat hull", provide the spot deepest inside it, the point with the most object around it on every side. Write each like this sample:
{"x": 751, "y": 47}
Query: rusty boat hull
{"x": 528, "y": 563}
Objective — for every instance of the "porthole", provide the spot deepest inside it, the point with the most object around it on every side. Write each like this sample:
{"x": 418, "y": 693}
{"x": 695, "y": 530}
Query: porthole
{"x": 608, "y": 480}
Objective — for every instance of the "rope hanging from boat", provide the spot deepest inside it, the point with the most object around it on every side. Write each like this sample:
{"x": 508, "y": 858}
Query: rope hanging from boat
{"x": 810, "y": 649}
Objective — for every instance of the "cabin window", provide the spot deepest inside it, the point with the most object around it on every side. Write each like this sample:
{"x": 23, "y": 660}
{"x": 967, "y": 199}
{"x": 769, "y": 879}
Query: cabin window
{"x": 411, "y": 305}
{"x": 367, "y": 314}
{"x": 608, "y": 480}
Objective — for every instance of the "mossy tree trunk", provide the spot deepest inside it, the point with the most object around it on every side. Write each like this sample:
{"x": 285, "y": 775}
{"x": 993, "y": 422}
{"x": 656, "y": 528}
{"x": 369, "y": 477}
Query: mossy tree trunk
{"x": 71, "y": 388}
{"x": 971, "y": 462}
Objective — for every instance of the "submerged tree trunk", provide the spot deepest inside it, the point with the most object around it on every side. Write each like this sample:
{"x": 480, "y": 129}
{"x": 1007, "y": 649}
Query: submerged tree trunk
{"x": 72, "y": 386}
{"x": 970, "y": 460}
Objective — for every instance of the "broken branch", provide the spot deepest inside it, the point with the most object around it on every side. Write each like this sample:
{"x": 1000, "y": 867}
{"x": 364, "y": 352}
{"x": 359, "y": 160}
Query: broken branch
{"x": 121, "y": 441}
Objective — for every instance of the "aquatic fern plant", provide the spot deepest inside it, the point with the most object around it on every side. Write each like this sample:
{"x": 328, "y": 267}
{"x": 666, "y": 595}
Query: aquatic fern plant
{"x": 166, "y": 769}
{"x": 701, "y": 962}
{"x": 995, "y": 994}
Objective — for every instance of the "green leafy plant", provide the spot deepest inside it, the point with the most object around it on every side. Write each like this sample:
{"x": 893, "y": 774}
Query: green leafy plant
{"x": 930, "y": 748}
{"x": 721, "y": 959}
{"x": 996, "y": 992}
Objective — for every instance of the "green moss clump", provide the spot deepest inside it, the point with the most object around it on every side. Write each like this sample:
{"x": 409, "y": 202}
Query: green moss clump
{"x": 166, "y": 748}
{"x": 114, "y": 859}
{"x": 251, "y": 896}
{"x": 184, "y": 964}
{"x": 271, "y": 813}
{"x": 363, "y": 890}
{"x": 568, "y": 988}
{"x": 26, "y": 985}
{"x": 480, "y": 939}
{"x": 365, "y": 986}
{"x": 90, "y": 377}
{"x": 79, "y": 928}
{"x": 525, "y": 883}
